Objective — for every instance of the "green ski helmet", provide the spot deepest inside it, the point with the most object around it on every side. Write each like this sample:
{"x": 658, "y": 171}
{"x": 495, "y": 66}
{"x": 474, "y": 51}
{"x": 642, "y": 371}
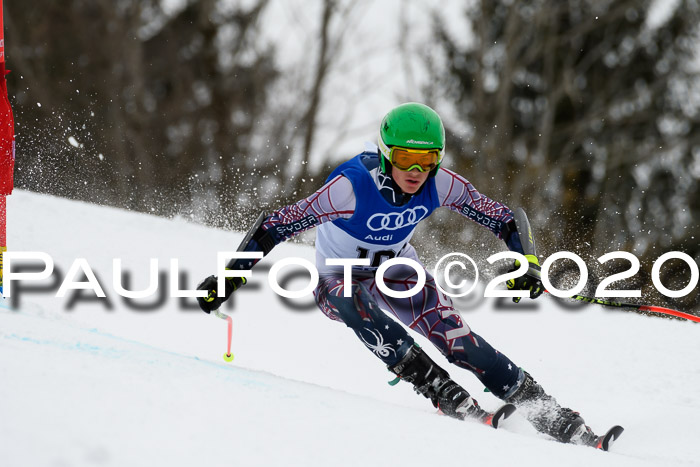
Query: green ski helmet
{"x": 414, "y": 126}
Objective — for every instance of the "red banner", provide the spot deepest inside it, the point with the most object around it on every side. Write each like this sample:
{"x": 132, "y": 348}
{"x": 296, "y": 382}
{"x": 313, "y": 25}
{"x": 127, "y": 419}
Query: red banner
{"x": 7, "y": 138}
{"x": 7, "y": 125}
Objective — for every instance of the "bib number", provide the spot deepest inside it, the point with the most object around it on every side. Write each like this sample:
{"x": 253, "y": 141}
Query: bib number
{"x": 378, "y": 257}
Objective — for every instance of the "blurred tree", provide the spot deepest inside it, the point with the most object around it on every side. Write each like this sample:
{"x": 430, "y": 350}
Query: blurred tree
{"x": 130, "y": 104}
{"x": 335, "y": 21}
{"x": 586, "y": 114}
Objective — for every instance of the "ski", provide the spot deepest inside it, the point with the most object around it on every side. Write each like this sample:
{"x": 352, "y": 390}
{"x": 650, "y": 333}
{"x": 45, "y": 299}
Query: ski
{"x": 499, "y": 415}
{"x": 492, "y": 419}
{"x": 249, "y": 235}
{"x": 606, "y": 441}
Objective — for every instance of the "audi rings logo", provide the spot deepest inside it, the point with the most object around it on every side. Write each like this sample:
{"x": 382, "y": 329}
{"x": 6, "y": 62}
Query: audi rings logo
{"x": 397, "y": 220}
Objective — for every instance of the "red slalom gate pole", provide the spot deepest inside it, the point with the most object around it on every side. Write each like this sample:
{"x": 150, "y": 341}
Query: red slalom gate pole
{"x": 228, "y": 356}
{"x": 7, "y": 146}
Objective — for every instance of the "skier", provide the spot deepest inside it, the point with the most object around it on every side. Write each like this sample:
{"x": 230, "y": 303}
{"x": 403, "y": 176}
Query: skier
{"x": 369, "y": 208}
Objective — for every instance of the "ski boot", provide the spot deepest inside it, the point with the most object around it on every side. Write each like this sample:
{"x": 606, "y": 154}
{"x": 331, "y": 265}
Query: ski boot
{"x": 547, "y": 416}
{"x": 586, "y": 437}
{"x": 433, "y": 382}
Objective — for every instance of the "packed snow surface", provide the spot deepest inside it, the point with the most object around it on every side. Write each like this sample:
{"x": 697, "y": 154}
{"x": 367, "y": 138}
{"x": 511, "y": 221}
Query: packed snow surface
{"x": 100, "y": 382}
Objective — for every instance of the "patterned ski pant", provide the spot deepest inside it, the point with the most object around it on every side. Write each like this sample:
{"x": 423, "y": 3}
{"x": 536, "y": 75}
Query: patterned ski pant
{"x": 429, "y": 312}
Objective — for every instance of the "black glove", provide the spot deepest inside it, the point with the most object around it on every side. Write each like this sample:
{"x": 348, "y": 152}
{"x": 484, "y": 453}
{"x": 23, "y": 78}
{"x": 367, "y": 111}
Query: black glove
{"x": 531, "y": 280}
{"x": 210, "y": 284}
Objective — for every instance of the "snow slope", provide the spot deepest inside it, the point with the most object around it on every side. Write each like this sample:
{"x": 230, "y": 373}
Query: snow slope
{"x": 84, "y": 384}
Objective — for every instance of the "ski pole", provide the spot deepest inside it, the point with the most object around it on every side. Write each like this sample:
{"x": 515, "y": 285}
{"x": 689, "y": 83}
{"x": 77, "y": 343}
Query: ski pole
{"x": 632, "y": 306}
{"x": 228, "y": 356}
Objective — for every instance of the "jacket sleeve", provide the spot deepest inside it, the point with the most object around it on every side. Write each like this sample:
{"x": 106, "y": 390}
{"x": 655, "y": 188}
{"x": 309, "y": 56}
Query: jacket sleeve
{"x": 333, "y": 200}
{"x": 458, "y": 194}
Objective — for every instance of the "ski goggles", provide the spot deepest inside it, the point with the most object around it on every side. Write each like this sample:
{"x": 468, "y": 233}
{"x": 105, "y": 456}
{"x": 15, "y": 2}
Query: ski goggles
{"x": 406, "y": 159}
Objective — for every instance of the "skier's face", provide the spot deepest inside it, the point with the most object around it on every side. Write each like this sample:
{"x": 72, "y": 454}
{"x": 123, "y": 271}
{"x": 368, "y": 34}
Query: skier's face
{"x": 410, "y": 181}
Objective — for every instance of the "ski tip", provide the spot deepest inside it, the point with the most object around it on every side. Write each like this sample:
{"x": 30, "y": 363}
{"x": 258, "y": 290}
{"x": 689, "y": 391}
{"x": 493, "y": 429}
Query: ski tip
{"x": 607, "y": 440}
{"x": 500, "y": 415}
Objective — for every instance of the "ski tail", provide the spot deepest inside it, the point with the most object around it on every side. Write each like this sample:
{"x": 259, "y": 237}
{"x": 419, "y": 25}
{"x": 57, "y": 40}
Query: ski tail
{"x": 606, "y": 441}
{"x": 493, "y": 419}
{"x": 499, "y": 415}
